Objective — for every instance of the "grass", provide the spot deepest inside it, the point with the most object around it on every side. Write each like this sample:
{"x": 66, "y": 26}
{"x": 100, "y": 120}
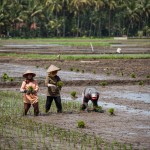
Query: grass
{"x": 18, "y": 132}
{"x": 77, "y": 57}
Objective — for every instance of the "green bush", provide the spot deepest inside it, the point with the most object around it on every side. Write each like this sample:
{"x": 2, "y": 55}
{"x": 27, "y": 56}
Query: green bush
{"x": 81, "y": 124}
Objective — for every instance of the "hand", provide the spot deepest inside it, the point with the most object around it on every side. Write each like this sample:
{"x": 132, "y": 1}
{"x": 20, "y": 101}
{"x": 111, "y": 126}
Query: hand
{"x": 51, "y": 85}
{"x": 22, "y": 91}
{"x": 34, "y": 92}
{"x": 28, "y": 92}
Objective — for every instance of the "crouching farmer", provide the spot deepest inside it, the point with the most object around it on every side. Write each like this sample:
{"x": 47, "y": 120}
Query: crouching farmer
{"x": 30, "y": 88}
{"x": 90, "y": 93}
{"x": 53, "y": 90}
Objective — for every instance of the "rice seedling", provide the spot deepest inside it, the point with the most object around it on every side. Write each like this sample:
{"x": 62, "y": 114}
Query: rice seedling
{"x": 148, "y": 76}
{"x": 103, "y": 83}
{"x": 73, "y": 94}
{"x": 31, "y": 134}
{"x": 71, "y": 69}
{"x": 133, "y": 75}
{"x": 60, "y": 84}
{"x": 5, "y": 77}
{"x": 81, "y": 124}
{"x": 77, "y": 70}
{"x": 141, "y": 83}
{"x": 111, "y": 111}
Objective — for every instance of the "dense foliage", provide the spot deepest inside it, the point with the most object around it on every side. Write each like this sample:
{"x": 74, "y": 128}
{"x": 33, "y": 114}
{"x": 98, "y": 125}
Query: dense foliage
{"x": 74, "y": 18}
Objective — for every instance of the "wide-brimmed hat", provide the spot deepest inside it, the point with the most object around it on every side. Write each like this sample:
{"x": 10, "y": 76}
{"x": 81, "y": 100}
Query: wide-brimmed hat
{"x": 53, "y": 68}
{"x": 29, "y": 72}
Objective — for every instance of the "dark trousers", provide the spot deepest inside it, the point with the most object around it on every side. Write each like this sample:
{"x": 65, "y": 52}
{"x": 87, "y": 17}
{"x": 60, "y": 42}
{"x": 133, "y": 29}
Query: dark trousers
{"x": 57, "y": 100}
{"x": 27, "y": 107}
{"x": 85, "y": 103}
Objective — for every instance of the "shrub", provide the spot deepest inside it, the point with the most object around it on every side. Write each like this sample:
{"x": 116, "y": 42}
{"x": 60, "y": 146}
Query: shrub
{"x": 81, "y": 124}
{"x": 111, "y": 111}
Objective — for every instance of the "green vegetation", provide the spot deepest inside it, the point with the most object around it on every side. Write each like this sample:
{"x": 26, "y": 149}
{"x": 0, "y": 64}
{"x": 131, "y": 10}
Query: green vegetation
{"x": 141, "y": 83}
{"x": 60, "y": 84}
{"x": 81, "y": 124}
{"x": 79, "y": 57}
{"x": 111, "y": 111}
{"x": 103, "y": 83}
{"x": 72, "y": 18}
{"x": 5, "y": 77}
{"x": 73, "y": 94}
{"x": 133, "y": 75}
{"x": 29, "y": 133}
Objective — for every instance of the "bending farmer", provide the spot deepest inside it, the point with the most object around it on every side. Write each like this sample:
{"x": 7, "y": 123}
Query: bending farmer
{"x": 90, "y": 93}
{"x": 53, "y": 88}
{"x": 30, "y": 88}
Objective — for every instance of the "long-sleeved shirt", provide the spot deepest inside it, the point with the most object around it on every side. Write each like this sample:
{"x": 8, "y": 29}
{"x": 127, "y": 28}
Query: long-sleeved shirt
{"x": 52, "y": 90}
{"x": 30, "y": 98}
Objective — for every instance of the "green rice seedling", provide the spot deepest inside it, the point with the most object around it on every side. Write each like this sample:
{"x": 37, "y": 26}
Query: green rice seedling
{"x": 30, "y": 89}
{"x": 133, "y": 75}
{"x": 60, "y": 84}
{"x": 73, "y": 94}
{"x": 108, "y": 73}
{"x": 111, "y": 111}
{"x": 81, "y": 124}
{"x": 37, "y": 66}
{"x": 141, "y": 83}
{"x": 71, "y": 69}
{"x": 94, "y": 72}
{"x": 103, "y": 83}
{"x": 148, "y": 76}
{"x": 11, "y": 79}
{"x": 77, "y": 70}
{"x": 82, "y": 71}
{"x": 5, "y": 77}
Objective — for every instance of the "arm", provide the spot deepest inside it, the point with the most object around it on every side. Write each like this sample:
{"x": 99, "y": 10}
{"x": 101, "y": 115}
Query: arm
{"x": 23, "y": 87}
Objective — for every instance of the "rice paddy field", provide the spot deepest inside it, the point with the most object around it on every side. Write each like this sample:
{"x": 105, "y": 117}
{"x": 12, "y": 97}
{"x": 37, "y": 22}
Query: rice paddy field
{"x": 123, "y": 80}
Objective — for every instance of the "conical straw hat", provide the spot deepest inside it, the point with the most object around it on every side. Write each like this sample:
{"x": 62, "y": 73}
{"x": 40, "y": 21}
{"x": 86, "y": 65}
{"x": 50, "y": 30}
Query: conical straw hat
{"x": 53, "y": 68}
{"x": 29, "y": 72}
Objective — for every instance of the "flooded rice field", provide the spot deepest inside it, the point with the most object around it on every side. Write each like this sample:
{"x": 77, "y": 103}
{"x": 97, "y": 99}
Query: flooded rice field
{"x": 131, "y": 122}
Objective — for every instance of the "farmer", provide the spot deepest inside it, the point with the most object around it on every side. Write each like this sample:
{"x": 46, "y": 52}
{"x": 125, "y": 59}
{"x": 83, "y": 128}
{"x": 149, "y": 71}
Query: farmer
{"x": 53, "y": 90}
{"x": 30, "y": 88}
{"x": 90, "y": 93}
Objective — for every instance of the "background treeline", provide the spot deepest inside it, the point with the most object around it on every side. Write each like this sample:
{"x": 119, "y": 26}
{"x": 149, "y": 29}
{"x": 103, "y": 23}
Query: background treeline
{"x": 74, "y": 18}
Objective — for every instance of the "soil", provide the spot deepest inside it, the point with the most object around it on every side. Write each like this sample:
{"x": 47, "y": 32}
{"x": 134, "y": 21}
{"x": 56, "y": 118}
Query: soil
{"x": 130, "y": 125}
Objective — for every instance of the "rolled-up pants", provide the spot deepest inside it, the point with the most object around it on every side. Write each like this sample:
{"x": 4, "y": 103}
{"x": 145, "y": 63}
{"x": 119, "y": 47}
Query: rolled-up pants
{"x": 35, "y": 106}
{"x": 57, "y": 100}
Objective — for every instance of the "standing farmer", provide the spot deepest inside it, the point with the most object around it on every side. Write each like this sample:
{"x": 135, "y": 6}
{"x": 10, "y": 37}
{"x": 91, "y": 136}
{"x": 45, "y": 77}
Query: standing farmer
{"x": 53, "y": 90}
{"x": 90, "y": 93}
{"x": 30, "y": 88}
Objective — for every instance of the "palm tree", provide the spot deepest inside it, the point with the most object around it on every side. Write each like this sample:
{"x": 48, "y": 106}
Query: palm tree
{"x": 78, "y": 7}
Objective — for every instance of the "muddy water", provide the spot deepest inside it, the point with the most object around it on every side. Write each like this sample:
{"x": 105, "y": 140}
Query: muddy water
{"x": 15, "y": 70}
